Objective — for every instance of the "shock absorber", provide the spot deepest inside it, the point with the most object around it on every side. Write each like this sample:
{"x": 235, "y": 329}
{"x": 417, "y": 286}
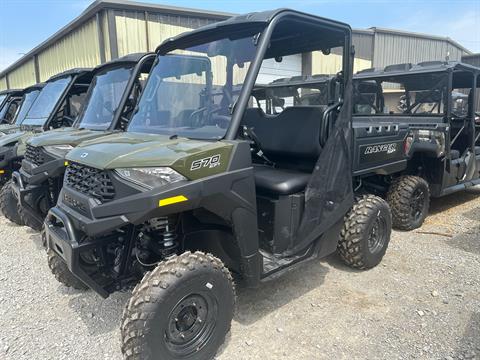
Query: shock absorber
{"x": 164, "y": 231}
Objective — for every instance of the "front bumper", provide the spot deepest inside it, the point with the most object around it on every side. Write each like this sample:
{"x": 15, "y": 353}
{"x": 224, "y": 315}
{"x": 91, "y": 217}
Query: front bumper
{"x": 8, "y": 154}
{"x": 36, "y": 175}
{"x": 31, "y": 179}
{"x": 79, "y": 222}
{"x": 62, "y": 239}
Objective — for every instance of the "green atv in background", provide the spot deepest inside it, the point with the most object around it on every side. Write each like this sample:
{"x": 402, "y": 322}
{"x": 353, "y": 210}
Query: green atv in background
{"x": 16, "y": 108}
{"x": 57, "y": 105}
{"x": 206, "y": 183}
{"x": 109, "y": 104}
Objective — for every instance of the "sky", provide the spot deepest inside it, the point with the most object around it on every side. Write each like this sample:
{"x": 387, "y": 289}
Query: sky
{"x": 26, "y": 23}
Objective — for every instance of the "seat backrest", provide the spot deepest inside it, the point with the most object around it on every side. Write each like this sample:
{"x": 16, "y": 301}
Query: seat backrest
{"x": 294, "y": 133}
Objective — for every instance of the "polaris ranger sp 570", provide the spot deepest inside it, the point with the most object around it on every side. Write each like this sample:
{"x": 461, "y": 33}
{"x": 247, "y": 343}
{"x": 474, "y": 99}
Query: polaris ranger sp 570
{"x": 205, "y": 183}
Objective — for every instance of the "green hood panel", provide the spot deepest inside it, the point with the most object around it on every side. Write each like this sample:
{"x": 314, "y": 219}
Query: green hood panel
{"x": 18, "y": 138}
{"x": 123, "y": 150}
{"x": 9, "y": 128}
{"x": 66, "y": 136}
{"x": 12, "y": 138}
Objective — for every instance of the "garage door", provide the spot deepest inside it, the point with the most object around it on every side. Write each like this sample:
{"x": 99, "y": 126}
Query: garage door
{"x": 272, "y": 70}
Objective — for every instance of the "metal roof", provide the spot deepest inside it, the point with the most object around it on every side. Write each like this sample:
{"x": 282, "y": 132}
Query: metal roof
{"x": 99, "y": 5}
{"x": 418, "y": 35}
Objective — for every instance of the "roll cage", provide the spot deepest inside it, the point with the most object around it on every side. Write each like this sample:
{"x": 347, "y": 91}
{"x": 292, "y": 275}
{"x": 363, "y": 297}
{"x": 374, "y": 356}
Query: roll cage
{"x": 274, "y": 38}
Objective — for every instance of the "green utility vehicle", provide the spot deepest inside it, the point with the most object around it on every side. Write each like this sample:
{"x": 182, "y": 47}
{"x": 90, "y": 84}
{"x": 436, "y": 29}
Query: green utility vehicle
{"x": 16, "y": 108}
{"x": 57, "y": 105}
{"x": 109, "y": 104}
{"x": 204, "y": 186}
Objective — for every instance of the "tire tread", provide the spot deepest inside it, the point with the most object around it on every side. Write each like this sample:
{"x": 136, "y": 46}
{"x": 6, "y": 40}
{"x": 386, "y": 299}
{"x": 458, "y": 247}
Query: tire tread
{"x": 141, "y": 305}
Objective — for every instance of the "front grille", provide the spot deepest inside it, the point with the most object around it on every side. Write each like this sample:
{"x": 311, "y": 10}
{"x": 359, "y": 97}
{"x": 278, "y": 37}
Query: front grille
{"x": 35, "y": 155}
{"x": 90, "y": 181}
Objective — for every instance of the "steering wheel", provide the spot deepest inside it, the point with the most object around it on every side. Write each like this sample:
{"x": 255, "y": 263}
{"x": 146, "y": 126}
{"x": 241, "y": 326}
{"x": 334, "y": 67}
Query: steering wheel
{"x": 196, "y": 113}
{"x": 66, "y": 121}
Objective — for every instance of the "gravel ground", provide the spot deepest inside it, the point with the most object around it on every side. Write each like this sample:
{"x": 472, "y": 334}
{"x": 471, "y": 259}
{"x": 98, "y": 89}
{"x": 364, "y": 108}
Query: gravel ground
{"x": 423, "y": 302}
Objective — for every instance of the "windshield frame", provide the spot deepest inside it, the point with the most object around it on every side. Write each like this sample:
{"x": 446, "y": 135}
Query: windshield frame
{"x": 59, "y": 100}
{"x": 18, "y": 120}
{"x": 3, "y": 100}
{"x": 104, "y": 70}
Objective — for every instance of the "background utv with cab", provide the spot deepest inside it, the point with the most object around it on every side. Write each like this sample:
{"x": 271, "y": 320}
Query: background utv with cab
{"x": 16, "y": 108}
{"x": 186, "y": 196}
{"x": 56, "y": 106}
{"x": 417, "y": 134}
{"x": 109, "y": 104}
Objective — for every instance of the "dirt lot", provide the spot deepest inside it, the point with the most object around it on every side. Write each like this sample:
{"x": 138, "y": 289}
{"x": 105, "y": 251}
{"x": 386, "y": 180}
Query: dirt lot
{"x": 423, "y": 302}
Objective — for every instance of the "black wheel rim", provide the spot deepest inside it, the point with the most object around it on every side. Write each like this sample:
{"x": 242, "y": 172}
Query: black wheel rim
{"x": 191, "y": 324}
{"x": 417, "y": 204}
{"x": 378, "y": 235}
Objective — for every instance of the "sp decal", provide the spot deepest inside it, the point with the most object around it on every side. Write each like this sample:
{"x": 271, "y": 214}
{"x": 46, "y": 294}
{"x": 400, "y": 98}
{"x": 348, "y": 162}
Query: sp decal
{"x": 206, "y": 163}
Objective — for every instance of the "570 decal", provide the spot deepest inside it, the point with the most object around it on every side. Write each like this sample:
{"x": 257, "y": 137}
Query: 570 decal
{"x": 208, "y": 162}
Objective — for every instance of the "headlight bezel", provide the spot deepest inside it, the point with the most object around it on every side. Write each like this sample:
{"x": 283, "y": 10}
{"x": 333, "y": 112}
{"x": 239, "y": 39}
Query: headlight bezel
{"x": 150, "y": 177}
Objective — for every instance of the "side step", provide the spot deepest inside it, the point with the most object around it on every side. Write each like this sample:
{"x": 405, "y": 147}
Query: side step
{"x": 275, "y": 264}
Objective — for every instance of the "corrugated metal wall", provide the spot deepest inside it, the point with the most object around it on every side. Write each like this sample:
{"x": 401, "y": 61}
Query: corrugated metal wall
{"x": 331, "y": 64}
{"x": 363, "y": 42}
{"x": 78, "y": 49}
{"x": 131, "y": 32}
{"x": 161, "y": 27}
{"x": 392, "y": 48}
{"x": 132, "y": 29}
{"x": 472, "y": 59}
{"x": 3, "y": 83}
{"x": 22, "y": 76}
{"x": 106, "y": 35}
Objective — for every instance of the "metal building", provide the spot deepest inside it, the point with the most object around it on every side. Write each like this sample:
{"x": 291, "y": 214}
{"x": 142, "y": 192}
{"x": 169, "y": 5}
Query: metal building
{"x": 473, "y": 59}
{"x": 108, "y": 29}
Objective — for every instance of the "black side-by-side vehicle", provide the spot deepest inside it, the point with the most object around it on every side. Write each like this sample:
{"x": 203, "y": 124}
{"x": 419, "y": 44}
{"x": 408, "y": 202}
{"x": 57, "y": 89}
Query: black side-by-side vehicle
{"x": 417, "y": 134}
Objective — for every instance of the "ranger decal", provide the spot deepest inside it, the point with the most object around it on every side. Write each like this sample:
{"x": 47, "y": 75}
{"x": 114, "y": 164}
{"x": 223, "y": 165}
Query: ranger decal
{"x": 388, "y": 148}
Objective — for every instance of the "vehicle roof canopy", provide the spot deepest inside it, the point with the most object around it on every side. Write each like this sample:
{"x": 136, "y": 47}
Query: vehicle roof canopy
{"x": 34, "y": 87}
{"x": 299, "y": 39}
{"x": 462, "y": 73}
{"x": 71, "y": 72}
{"x": 127, "y": 59}
{"x": 12, "y": 92}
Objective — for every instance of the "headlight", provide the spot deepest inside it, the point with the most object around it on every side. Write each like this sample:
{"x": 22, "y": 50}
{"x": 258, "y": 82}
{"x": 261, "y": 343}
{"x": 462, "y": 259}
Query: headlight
{"x": 58, "y": 150}
{"x": 150, "y": 177}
